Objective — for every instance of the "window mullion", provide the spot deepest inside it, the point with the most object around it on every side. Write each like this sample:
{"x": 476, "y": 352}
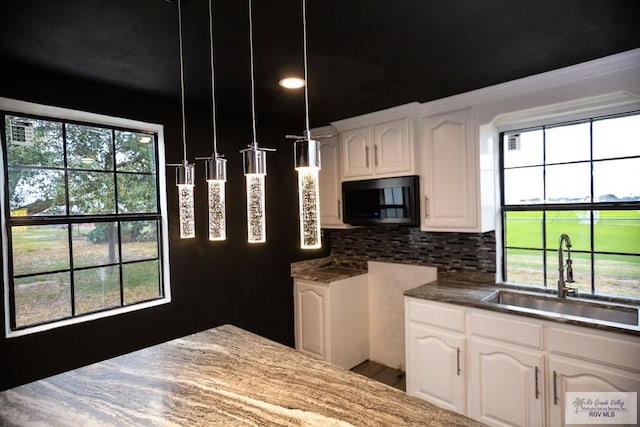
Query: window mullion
{"x": 587, "y": 218}
{"x": 84, "y": 270}
{"x": 69, "y": 226}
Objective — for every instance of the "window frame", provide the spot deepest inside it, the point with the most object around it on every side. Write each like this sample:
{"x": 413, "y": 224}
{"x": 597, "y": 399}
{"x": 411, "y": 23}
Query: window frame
{"x": 44, "y": 112}
{"x": 543, "y": 207}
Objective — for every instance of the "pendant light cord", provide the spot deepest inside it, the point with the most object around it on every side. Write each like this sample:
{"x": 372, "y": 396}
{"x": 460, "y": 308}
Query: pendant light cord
{"x": 213, "y": 91}
{"x": 253, "y": 84}
{"x": 306, "y": 78}
{"x": 184, "y": 133}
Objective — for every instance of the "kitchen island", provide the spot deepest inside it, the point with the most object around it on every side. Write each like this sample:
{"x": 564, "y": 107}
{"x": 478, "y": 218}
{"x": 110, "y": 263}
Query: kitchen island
{"x": 222, "y": 376}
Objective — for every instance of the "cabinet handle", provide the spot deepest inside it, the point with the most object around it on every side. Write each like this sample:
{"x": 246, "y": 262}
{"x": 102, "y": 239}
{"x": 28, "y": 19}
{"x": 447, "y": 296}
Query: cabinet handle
{"x": 339, "y": 210}
{"x": 555, "y": 388}
{"x": 375, "y": 154}
{"x": 537, "y": 389}
{"x": 366, "y": 155}
{"x": 426, "y": 207}
{"x": 458, "y": 361}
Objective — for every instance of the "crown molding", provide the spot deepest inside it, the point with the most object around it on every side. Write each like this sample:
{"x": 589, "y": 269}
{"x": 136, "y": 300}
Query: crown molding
{"x": 400, "y": 111}
{"x": 624, "y": 61}
{"x": 621, "y": 62}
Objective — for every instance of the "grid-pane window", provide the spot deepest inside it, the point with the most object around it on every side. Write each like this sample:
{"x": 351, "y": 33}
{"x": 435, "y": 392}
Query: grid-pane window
{"x": 581, "y": 179}
{"x": 82, "y": 218}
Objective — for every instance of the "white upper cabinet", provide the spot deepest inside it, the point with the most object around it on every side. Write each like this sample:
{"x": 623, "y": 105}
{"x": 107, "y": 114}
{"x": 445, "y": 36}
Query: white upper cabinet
{"x": 392, "y": 148}
{"x": 456, "y": 184}
{"x": 449, "y": 169}
{"x": 330, "y": 183}
{"x": 381, "y": 150}
{"x": 356, "y": 153}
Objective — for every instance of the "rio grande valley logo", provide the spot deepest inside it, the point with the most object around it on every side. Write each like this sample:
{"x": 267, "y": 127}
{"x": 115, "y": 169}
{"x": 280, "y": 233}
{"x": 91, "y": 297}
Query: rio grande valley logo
{"x": 601, "y": 407}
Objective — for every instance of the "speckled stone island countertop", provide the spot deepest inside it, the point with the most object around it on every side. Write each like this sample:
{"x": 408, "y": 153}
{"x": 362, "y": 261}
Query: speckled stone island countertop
{"x": 468, "y": 289}
{"x": 224, "y": 377}
{"x": 328, "y": 269}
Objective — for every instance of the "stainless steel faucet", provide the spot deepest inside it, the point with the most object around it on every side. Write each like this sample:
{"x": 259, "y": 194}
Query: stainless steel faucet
{"x": 563, "y": 290}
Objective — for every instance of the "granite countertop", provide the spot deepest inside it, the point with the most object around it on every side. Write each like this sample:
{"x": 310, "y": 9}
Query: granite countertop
{"x": 468, "y": 289}
{"x": 328, "y": 269}
{"x": 222, "y": 376}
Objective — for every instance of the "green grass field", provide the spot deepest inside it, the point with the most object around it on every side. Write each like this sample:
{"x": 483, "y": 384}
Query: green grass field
{"x": 47, "y": 296}
{"x": 614, "y": 231}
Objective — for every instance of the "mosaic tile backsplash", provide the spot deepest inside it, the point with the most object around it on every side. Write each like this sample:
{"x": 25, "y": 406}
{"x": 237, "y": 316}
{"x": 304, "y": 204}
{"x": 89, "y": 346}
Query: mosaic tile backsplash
{"x": 450, "y": 251}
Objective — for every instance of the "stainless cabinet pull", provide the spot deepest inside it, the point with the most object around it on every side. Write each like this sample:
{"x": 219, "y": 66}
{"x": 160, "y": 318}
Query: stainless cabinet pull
{"x": 555, "y": 388}
{"x": 375, "y": 154}
{"x": 458, "y": 361}
{"x": 426, "y": 207}
{"x": 339, "y": 210}
{"x": 537, "y": 389}
{"x": 366, "y": 155}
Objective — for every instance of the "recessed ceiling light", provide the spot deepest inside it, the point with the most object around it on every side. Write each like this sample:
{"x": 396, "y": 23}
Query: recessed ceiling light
{"x": 292, "y": 83}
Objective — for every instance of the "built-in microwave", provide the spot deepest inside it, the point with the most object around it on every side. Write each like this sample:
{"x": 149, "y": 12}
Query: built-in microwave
{"x": 381, "y": 201}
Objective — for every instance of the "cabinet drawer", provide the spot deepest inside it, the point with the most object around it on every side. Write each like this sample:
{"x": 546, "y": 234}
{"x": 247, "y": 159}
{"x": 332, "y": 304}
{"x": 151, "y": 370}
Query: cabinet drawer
{"x": 613, "y": 351}
{"x": 507, "y": 329}
{"x": 435, "y": 314}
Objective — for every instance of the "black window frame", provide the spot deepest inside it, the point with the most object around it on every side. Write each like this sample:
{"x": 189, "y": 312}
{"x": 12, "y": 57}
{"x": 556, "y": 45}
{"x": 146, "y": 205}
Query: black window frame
{"x": 543, "y": 207}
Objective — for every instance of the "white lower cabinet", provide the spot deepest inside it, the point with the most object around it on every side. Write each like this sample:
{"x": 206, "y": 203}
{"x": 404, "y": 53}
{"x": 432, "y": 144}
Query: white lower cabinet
{"x": 332, "y": 320}
{"x": 435, "y": 353}
{"x": 505, "y": 384}
{"x": 569, "y": 375}
{"x": 439, "y": 381}
{"x": 515, "y": 370}
{"x": 588, "y": 361}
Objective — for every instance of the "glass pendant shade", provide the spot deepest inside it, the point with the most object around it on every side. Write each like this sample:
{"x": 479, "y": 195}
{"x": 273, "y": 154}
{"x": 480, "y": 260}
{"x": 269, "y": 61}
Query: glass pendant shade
{"x": 307, "y": 164}
{"x": 256, "y": 225}
{"x": 185, "y": 181}
{"x": 216, "y": 170}
{"x": 255, "y": 170}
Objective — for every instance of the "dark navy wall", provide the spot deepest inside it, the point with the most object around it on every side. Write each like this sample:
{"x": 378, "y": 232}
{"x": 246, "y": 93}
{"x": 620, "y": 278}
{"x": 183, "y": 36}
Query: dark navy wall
{"x": 212, "y": 283}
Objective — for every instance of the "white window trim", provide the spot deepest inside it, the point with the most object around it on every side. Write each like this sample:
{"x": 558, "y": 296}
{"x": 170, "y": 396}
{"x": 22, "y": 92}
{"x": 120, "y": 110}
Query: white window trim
{"x": 68, "y": 114}
{"x": 601, "y": 105}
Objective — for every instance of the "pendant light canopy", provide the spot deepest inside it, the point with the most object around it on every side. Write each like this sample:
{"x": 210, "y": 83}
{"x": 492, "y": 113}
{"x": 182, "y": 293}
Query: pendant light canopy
{"x": 306, "y": 153}
{"x": 254, "y": 162}
{"x": 215, "y": 165}
{"x": 185, "y": 172}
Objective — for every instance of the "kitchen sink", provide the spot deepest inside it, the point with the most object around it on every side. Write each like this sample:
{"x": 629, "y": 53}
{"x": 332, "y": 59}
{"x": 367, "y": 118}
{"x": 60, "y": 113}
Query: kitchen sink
{"x": 555, "y": 306}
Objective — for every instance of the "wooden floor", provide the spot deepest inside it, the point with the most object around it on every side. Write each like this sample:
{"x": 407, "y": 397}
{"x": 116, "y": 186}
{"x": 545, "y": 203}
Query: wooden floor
{"x": 377, "y": 371}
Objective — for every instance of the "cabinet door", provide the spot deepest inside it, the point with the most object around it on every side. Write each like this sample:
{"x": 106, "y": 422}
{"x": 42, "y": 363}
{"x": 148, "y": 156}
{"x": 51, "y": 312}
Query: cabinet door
{"x": 506, "y": 384}
{"x": 435, "y": 367}
{"x": 450, "y": 173}
{"x": 574, "y": 375}
{"x": 311, "y": 319}
{"x": 356, "y": 153}
{"x": 330, "y": 186}
{"x": 392, "y": 150}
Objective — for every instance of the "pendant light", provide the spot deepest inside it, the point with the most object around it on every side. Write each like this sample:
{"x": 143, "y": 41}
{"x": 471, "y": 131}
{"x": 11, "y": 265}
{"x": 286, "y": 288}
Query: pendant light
{"x": 215, "y": 166}
{"x": 254, "y": 162}
{"x": 306, "y": 153}
{"x": 185, "y": 172}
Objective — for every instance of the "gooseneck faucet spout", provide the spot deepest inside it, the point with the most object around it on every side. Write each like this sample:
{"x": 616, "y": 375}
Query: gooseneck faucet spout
{"x": 563, "y": 290}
